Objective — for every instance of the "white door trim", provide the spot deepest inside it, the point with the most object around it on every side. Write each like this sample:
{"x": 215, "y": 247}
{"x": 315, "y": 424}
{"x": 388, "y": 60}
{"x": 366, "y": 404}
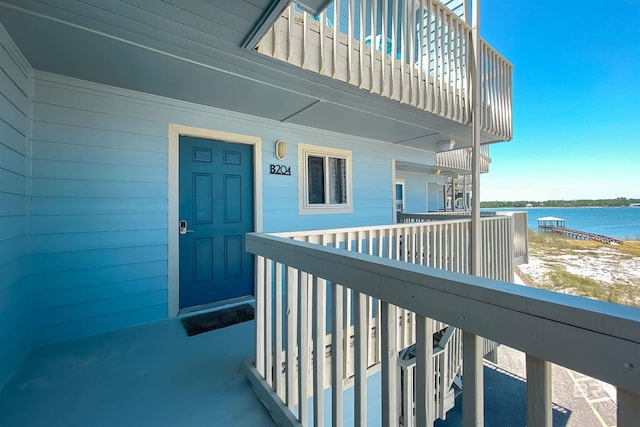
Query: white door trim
{"x": 175, "y": 131}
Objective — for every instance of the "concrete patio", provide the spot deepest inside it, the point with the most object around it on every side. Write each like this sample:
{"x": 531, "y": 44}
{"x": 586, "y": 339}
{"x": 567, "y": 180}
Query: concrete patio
{"x": 155, "y": 375}
{"x": 151, "y": 375}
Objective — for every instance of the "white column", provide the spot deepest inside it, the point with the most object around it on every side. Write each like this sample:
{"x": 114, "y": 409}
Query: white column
{"x": 473, "y": 387}
{"x": 538, "y": 392}
{"x": 473, "y": 394}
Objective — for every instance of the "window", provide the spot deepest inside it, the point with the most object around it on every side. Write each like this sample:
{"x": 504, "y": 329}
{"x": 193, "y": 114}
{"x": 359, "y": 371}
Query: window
{"x": 400, "y": 203}
{"x": 324, "y": 180}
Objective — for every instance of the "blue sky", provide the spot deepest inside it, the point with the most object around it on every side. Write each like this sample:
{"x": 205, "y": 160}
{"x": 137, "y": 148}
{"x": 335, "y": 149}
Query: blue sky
{"x": 576, "y": 102}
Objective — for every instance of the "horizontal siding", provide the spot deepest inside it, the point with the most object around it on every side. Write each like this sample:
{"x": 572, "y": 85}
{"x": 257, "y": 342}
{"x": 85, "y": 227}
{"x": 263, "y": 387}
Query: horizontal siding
{"x": 95, "y": 205}
{"x": 14, "y": 316}
{"x": 12, "y": 204}
{"x": 12, "y": 227}
{"x": 90, "y": 223}
{"x": 80, "y": 295}
{"x": 11, "y": 137}
{"x": 100, "y": 198}
{"x": 45, "y": 263}
{"x": 415, "y": 188}
{"x": 75, "y": 135}
{"x": 98, "y": 171}
{"x": 12, "y": 161}
{"x": 12, "y": 183}
{"x": 121, "y": 318}
{"x": 53, "y": 113}
{"x": 96, "y": 306}
{"x": 12, "y": 249}
{"x": 47, "y": 150}
{"x": 69, "y": 242}
{"x": 50, "y": 283}
{"x": 13, "y": 116}
{"x": 15, "y": 109}
{"x": 42, "y": 187}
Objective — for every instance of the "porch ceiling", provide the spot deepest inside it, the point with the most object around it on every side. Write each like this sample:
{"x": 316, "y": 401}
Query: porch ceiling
{"x": 191, "y": 50}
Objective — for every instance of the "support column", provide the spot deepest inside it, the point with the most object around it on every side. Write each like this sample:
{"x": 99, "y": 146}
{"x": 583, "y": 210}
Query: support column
{"x": 476, "y": 232}
{"x": 473, "y": 394}
{"x": 539, "y": 404}
{"x": 628, "y": 408}
{"x": 472, "y": 381}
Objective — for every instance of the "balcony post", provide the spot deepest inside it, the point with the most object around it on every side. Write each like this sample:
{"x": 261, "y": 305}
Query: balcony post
{"x": 473, "y": 394}
{"x": 538, "y": 392}
{"x": 476, "y": 232}
{"x": 389, "y": 364}
{"x": 472, "y": 381}
{"x": 628, "y": 408}
{"x": 425, "y": 386}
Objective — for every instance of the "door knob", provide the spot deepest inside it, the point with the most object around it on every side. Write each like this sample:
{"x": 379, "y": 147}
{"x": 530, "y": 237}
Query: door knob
{"x": 183, "y": 227}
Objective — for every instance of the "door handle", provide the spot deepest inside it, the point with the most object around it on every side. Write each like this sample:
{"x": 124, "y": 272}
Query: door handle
{"x": 183, "y": 227}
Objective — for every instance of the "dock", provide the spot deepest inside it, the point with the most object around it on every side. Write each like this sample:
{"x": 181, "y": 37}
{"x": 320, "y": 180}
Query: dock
{"x": 558, "y": 225}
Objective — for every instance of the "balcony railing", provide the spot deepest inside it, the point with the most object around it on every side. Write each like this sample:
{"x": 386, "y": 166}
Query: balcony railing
{"x": 520, "y": 236}
{"x": 305, "y": 288}
{"x": 418, "y": 53}
{"x": 285, "y": 294}
{"x": 460, "y": 159}
{"x": 520, "y": 231}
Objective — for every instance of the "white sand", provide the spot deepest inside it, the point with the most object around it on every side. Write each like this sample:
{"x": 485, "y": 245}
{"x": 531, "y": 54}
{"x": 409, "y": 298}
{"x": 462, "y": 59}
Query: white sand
{"x": 606, "y": 265}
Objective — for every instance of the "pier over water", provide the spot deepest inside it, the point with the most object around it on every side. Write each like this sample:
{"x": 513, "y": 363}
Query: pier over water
{"x": 551, "y": 224}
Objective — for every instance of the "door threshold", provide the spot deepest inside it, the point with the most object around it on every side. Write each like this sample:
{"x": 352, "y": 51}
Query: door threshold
{"x": 205, "y": 308}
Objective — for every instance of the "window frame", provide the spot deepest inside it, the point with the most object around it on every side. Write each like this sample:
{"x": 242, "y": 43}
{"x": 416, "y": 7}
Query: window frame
{"x": 306, "y": 208}
{"x": 403, "y": 183}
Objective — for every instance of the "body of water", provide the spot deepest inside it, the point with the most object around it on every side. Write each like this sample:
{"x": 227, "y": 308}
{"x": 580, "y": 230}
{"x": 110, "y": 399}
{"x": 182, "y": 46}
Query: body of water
{"x": 621, "y": 223}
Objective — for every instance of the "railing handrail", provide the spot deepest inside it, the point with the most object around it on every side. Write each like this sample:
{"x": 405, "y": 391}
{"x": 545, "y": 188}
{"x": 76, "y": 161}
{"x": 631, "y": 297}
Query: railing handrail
{"x": 320, "y": 232}
{"x": 593, "y": 337}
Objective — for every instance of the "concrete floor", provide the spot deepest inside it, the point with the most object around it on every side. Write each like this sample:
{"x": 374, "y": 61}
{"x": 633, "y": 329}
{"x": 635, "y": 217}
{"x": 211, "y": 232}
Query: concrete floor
{"x": 154, "y": 375}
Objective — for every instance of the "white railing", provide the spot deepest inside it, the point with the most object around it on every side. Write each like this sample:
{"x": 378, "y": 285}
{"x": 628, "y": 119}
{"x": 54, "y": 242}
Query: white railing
{"x": 496, "y": 93}
{"x": 418, "y": 54}
{"x": 461, "y": 159}
{"x": 520, "y": 230}
{"x": 599, "y": 339}
{"x": 520, "y": 236}
{"x": 442, "y": 245}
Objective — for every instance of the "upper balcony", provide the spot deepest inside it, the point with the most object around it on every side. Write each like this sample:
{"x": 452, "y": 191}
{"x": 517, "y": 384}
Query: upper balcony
{"x": 415, "y": 52}
{"x": 459, "y": 161}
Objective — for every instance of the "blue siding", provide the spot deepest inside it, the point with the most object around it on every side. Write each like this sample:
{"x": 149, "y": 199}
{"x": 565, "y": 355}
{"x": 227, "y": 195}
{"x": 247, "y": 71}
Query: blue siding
{"x": 15, "y": 90}
{"x": 99, "y": 212}
{"x": 415, "y": 189}
{"x": 100, "y": 198}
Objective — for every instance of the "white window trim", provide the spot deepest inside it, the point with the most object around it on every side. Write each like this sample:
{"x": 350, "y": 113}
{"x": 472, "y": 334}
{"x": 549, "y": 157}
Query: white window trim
{"x": 304, "y": 207}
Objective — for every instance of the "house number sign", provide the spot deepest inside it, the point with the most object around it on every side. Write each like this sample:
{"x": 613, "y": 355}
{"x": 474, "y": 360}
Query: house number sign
{"x": 280, "y": 170}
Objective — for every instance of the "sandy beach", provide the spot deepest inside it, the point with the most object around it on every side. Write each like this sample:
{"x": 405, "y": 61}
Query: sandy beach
{"x": 609, "y": 267}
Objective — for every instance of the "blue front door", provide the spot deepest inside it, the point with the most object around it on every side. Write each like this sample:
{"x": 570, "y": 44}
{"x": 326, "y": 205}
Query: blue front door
{"x": 216, "y": 210}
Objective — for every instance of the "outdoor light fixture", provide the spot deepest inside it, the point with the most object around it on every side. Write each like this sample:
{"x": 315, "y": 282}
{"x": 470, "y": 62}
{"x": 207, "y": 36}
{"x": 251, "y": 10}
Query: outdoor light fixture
{"x": 436, "y": 171}
{"x": 446, "y": 145}
{"x": 281, "y": 149}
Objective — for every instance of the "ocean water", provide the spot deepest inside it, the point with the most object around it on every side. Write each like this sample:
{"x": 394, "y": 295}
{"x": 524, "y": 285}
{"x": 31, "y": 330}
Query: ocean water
{"x": 621, "y": 223}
